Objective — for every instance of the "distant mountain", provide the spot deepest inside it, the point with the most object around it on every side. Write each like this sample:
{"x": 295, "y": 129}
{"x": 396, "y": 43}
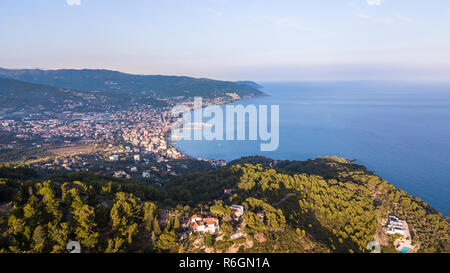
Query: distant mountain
{"x": 14, "y": 93}
{"x": 250, "y": 83}
{"x": 19, "y": 94}
{"x": 118, "y": 82}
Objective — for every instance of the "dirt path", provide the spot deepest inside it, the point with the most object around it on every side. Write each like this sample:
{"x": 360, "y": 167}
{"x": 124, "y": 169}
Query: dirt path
{"x": 284, "y": 199}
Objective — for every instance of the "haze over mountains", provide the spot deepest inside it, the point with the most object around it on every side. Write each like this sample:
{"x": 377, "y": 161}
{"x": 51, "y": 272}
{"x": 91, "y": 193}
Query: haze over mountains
{"x": 102, "y": 81}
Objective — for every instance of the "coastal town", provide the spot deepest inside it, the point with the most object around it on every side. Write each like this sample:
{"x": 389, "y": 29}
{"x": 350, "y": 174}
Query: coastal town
{"x": 123, "y": 142}
{"x": 134, "y": 144}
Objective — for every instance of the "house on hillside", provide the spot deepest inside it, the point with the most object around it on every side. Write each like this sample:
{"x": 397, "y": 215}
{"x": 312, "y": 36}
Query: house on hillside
{"x": 195, "y": 218}
{"x": 397, "y": 226}
{"x": 237, "y": 210}
{"x": 119, "y": 174}
{"x": 145, "y": 174}
{"x": 114, "y": 158}
{"x": 200, "y": 224}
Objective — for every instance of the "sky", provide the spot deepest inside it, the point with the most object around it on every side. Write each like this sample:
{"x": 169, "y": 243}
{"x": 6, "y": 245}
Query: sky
{"x": 261, "y": 40}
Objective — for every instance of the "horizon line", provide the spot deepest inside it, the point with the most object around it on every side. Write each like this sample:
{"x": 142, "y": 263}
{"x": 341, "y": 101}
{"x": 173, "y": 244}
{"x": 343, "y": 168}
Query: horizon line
{"x": 329, "y": 80}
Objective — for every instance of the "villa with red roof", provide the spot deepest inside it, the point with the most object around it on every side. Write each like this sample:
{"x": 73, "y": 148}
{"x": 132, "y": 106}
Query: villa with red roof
{"x": 200, "y": 224}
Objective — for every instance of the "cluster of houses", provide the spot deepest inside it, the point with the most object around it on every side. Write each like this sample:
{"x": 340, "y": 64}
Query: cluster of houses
{"x": 216, "y": 163}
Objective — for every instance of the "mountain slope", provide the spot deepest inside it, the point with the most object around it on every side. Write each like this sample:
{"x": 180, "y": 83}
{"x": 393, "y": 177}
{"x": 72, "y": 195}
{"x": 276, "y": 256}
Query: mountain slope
{"x": 288, "y": 208}
{"x": 17, "y": 94}
{"x": 108, "y": 81}
{"x": 250, "y": 83}
{"x": 14, "y": 93}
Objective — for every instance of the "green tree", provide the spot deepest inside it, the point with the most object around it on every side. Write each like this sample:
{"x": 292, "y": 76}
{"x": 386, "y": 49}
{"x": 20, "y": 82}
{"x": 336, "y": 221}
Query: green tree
{"x": 85, "y": 227}
{"x": 176, "y": 224}
{"x": 156, "y": 227}
{"x": 149, "y": 215}
{"x": 167, "y": 240}
{"x": 39, "y": 240}
{"x": 58, "y": 235}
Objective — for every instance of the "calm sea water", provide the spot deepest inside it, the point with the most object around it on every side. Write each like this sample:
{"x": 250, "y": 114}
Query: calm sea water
{"x": 401, "y": 131}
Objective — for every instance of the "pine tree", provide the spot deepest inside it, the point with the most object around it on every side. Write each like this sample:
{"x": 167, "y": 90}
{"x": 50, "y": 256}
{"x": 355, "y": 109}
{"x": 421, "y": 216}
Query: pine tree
{"x": 156, "y": 227}
{"x": 176, "y": 224}
{"x": 149, "y": 211}
{"x": 39, "y": 240}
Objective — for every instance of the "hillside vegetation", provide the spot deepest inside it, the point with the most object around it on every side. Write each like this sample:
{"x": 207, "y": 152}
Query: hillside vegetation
{"x": 17, "y": 93}
{"x": 321, "y": 205}
{"x": 107, "y": 81}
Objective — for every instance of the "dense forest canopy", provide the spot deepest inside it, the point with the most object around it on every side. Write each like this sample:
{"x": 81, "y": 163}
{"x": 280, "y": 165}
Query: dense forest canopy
{"x": 321, "y": 205}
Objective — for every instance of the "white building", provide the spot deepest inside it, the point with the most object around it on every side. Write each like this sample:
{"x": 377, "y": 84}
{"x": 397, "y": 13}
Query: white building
{"x": 119, "y": 174}
{"x": 396, "y": 226}
{"x": 237, "y": 210}
{"x": 146, "y": 174}
{"x": 114, "y": 158}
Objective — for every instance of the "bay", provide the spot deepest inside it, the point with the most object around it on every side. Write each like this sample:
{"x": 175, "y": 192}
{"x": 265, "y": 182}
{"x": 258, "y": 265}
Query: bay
{"x": 399, "y": 130}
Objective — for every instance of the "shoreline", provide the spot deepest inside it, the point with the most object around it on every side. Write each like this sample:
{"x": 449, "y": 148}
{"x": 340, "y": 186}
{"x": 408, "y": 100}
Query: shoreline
{"x": 173, "y": 142}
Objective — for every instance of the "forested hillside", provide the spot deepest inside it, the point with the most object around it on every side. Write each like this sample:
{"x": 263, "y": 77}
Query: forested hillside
{"x": 107, "y": 81}
{"x": 18, "y": 95}
{"x": 15, "y": 93}
{"x": 321, "y": 205}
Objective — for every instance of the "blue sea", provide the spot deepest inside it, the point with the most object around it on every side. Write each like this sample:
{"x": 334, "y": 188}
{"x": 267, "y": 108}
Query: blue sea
{"x": 399, "y": 130}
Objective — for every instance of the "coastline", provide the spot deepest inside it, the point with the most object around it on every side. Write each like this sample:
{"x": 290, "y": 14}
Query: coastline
{"x": 173, "y": 142}
{"x": 403, "y": 168}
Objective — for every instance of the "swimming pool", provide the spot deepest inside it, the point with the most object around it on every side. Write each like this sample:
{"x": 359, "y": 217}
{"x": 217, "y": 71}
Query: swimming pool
{"x": 404, "y": 249}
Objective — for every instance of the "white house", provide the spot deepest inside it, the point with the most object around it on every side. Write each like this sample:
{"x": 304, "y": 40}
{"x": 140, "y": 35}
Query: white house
{"x": 114, "y": 158}
{"x": 119, "y": 174}
{"x": 200, "y": 224}
{"x": 196, "y": 218}
{"x": 237, "y": 210}
{"x": 146, "y": 174}
{"x": 396, "y": 226}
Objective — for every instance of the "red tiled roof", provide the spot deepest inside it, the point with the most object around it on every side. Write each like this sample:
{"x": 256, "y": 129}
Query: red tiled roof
{"x": 210, "y": 221}
{"x": 195, "y": 216}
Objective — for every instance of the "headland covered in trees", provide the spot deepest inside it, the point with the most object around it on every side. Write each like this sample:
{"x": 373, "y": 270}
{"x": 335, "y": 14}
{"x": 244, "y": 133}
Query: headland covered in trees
{"x": 322, "y": 205}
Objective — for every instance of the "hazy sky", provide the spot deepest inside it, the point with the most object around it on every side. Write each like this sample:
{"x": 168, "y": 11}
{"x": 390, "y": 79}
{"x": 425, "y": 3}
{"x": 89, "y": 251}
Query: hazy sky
{"x": 263, "y": 40}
